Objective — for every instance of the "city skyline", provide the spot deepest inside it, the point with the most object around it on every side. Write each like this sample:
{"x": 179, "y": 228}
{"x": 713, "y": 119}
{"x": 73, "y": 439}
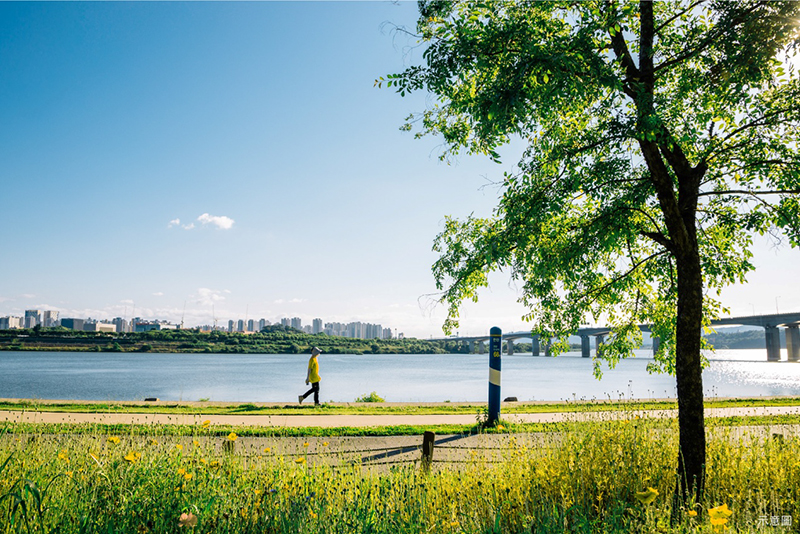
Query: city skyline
{"x": 201, "y": 160}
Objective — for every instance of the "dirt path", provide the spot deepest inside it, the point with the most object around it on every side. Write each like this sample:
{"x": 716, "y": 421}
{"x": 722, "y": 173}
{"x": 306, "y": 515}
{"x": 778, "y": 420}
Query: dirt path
{"x": 347, "y": 420}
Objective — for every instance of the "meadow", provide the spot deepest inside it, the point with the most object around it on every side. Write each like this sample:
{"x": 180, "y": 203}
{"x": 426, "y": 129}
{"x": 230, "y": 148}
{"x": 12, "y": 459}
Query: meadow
{"x": 615, "y": 475}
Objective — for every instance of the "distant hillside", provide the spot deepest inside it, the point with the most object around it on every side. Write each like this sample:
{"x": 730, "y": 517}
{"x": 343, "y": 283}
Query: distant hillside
{"x": 750, "y": 339}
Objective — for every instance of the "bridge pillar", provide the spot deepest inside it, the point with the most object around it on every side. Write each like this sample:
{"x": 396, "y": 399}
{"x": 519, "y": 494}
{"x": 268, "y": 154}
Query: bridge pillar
{"x": 547, "y": 347}
{"x": 656, "y": 344}
{"x": 793, "y": 343}
{"x": 481, "y": 347}
{"x": 585, "y": 347}
{"x": 510, "y": 347}
{"x": 470, "y": 347}
{"x": 599, "y": 339}
{"x": 535, "y": 345}
{"x": 773, "y": 335}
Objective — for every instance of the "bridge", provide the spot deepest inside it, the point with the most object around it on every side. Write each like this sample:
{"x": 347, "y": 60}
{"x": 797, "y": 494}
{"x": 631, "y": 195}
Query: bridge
{"x": 770, "y": 323}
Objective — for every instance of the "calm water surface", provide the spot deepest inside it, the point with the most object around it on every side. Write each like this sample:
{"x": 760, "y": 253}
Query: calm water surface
{"x": 421, "y": 378}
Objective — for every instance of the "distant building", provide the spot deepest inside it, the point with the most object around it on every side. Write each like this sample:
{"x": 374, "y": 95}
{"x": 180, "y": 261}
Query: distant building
{"x": 145, "y": 326}
{"x": 230, "y": 325}
{"x": 286, "y": 321}
{"x": 99, "y": 327}
{"x": 251, "y": 325}
{"x": 297, "y": 323}
{"x": 49, "y": 318}
{"x": 121, "y": 324}
{"x": 262, "y": 324}
{"x": 72, "y": 324}
{"x": 240, "y": 325}
{"x": 32, "y": 318}
{"x": 316, "y": 326}
{"x": 10, "y": 323}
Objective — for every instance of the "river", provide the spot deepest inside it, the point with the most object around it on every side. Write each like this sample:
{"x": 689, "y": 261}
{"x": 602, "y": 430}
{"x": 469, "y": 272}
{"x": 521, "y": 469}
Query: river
{"x": 397, "y": 378}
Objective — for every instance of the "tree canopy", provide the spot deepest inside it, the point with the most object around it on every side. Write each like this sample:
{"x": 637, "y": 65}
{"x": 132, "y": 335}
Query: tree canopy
{"x": 660, "y": 137}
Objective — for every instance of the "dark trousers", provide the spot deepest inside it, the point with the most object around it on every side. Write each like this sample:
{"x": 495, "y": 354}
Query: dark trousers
{"x": 315, "y": 390}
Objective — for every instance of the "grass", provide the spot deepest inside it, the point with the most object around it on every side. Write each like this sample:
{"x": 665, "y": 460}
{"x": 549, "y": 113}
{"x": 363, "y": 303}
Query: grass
{"x": 579, "y": 477}
{"x": 376, "y": 408}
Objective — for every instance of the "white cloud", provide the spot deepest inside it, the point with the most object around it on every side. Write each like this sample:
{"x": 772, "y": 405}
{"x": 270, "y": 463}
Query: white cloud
{"x": 126, "y": 301}
{"x": 188, "y": 226}
{"x": 174, "y": 222}
{"x": 207, "y": 297}
{"x": 158, "y": 294}
{"x": 290, "y": 301}
{"x": 220, "y": 221}
{"x": 28, "y": 295}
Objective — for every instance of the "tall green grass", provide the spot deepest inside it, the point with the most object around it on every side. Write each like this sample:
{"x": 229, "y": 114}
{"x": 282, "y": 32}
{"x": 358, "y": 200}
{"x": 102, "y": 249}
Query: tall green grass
{"x": 582, "y": 478}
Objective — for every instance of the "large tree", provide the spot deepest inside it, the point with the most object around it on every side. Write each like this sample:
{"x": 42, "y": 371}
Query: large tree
{"x": 660, "y": 137}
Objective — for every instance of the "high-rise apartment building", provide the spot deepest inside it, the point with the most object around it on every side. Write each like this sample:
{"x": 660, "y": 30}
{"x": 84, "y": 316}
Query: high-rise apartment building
{"x": 262, "y": 324}
{"x": 49, "y": 318}
{"x": 230, "y": 325}
{"x": 316, "y": 326}
{"x": 10, "y": 323}
{"x": 251, "y": 325}
{"x": 285, "y": 321}
{"x": 120, "y": 324}
{"x": 240, "y": 325}
{"x": 297, "y": 323}
{"x": 32, "y": 318}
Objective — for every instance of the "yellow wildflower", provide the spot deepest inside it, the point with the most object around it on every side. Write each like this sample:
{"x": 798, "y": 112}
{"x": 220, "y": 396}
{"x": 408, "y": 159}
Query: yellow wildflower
{"x": 187, "y": 476}
{"x": 132, "y": 457}
{"x": 187, "y": 520}
{"x": 232, "y": 436}
{"x": 213, "y": 463}
{"x": 267, "y": 449}
{"x": 500, "y": 427}
{"x": 312, "y": 514}
{"x": 113, "y": 439}
{"x": 324, "y": 443}
{"x": 153, "y": 441}
{"x": 206, "y": 423}
{"x": 203, "y": 461}
{"x": 719, "y": 516}
{"x": 181, "y": 471}
{"x": 63, "y": 456}
{"x": 300, "y": 460}
{"x": 195, "y": 443}
{"x": 305, "y": 444}
{"x": 179, "y": 447}
{"x": 720, "y": 512}
{"x": 692, "y": 513}
{"x": 647, "y": 496}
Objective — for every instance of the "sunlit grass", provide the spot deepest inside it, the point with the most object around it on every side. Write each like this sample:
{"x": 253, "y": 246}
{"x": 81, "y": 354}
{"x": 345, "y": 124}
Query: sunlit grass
{"x": 607, "y": 476}
{"x": 232, "y": 408}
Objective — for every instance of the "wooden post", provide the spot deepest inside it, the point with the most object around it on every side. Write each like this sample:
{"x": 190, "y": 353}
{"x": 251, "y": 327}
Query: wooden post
{"x": 427, "y": 450}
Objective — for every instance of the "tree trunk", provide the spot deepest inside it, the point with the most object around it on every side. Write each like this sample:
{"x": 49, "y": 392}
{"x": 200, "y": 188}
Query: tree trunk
{"x": 688, "y": 374}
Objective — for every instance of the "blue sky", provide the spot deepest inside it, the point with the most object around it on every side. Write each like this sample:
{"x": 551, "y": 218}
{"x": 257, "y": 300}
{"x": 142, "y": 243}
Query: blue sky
{"x": 236, "y": 157}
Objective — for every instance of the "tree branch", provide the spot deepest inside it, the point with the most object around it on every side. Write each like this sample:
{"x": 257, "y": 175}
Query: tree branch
{"x": 613, "y": 281}
{"x": 751, "y": 193}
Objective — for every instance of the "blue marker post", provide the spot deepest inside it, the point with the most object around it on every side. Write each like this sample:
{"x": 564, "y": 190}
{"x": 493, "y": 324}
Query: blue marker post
{"x": 495, "y": 344}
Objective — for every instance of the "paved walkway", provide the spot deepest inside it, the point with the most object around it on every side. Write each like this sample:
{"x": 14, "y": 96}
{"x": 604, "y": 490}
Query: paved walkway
{"x": 349, "y": 420}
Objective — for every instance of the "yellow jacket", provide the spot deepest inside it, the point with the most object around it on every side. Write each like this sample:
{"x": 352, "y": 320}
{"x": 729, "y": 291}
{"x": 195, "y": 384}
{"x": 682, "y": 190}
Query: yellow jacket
{"x": 313, "y": 370}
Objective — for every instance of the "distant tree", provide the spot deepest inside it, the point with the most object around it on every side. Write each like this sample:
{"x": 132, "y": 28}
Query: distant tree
{"x": 660, "y": 136}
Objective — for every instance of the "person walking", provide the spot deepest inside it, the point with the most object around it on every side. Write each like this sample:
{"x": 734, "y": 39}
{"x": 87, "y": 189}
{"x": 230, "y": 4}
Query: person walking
{"x": 312, "y": 377}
